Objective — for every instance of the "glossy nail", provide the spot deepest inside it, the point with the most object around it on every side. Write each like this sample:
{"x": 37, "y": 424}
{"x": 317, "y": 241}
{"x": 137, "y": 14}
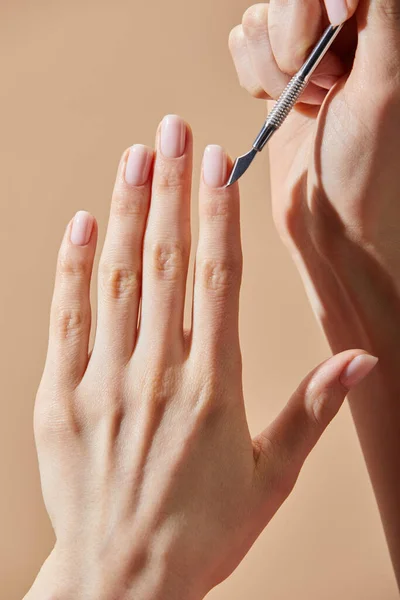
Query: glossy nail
{"x": 214, "y": 166}
{"x": 337, "y": 11}
{"x": 357, "y": 370}
{"x": 173, "y": 136}
{"x": 138, "y": 165}
{"x": 82, "y": 227}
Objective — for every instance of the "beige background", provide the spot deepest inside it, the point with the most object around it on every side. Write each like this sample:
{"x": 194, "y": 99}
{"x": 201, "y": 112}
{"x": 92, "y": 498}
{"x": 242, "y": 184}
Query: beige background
{"x": 80, "y": 81}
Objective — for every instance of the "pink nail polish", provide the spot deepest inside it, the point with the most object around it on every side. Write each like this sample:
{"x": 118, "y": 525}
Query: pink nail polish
{"x": 337, "y": 11}
{"x": 138, "y": 165}
{"x": 357, "y": 370}
{"x": 214, "y": 166}
{"x": 82, "y": 227}
{"x": 173, "y": 136}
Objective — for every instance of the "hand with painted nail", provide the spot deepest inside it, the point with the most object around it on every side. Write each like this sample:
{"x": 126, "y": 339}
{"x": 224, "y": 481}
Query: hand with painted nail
{"x": 334, "y": 168}
{"x": 152, "y": 481}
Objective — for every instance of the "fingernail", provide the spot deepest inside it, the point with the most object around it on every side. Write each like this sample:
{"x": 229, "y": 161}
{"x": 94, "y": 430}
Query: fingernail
{"x": 138, "y": 165}
{"x": 82, "y": 227}
{"x": 325, "y": 81}
{"x": 357, "y": 370}
{"x": 337, "y": 11}
{"x": 173, "y": 136}
{"x": 214, "y": 166}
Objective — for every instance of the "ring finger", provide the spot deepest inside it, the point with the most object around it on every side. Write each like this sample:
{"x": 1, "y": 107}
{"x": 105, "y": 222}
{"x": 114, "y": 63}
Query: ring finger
{"x": 120, "y": 270}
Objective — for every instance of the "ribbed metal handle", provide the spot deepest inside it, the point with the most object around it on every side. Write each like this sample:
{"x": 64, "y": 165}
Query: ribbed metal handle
{"x": 295, "y": 88}
{"x": 282, "y": 108}
{"x": 286, "y": 101}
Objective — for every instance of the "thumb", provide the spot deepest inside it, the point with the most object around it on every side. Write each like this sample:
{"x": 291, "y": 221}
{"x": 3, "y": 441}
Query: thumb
{"x": 283, "y": 447}
{"x": 378, "y": 24}
{"x": 369, "y": 12}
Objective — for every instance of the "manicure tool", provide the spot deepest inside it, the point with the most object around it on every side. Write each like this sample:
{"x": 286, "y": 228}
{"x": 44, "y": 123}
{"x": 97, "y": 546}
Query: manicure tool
{"x": 286, "y": 102}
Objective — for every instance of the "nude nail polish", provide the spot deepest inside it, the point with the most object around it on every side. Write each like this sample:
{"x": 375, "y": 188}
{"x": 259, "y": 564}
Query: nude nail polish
{"x": 337, "y": 11}
{"x": 82, "y": 227}
{"x": 357, "y": 370}
{"x": 138, "y": 165}
{"x": 172, "y": 136}
{"x": 215, "y": 166}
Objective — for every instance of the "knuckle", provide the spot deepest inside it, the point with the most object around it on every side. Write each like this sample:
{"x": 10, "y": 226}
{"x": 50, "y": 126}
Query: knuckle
{"x": 171, "y": 177}
{"x": 210, "y": 401}
{"x": 160, "y": 383}
{"x": 128, "y": 203}
{"x": 118, "y": 282}
{"x": 219, "y": 275}
{"x": 254, "y": 20}
{"x": 108, "y": 415}
{"x": 77, "y": 267}
{"x": 54, "y": 419}
{"x": 69, "y": 322}
{"x": 257, "y": 92}
{"x": 168, "y": 260}
{"x": 319, "y": 407}
{"x": 286, "y": 62}
{"x": 218, "y": 204}
{"x": 273, "y": 467}
{"x": 292, "y": 56}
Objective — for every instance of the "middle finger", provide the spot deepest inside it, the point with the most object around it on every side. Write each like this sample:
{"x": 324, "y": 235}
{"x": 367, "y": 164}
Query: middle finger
{"x": 167, "y": 240}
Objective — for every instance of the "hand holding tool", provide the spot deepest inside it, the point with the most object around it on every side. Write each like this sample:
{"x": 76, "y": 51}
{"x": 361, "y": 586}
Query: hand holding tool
{"x": 286, "y": 102}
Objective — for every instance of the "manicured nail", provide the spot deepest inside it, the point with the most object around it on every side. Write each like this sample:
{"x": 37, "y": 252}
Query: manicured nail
{"x": 357, "y": 370}
{"x": 214, "y": 166}
{"x": 325, "y": 81}
{"x": 82, "y": 227}
{"x": 173, "y": 136}
{"x": 337, "y": 11}
{"x": 138, "y": 165}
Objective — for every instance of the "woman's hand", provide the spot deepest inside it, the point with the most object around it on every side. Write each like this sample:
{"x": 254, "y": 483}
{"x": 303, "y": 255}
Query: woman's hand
{"x": 335, "y": 185}
{"x": 334, "y": 168}
{"x": 152, "y": 482}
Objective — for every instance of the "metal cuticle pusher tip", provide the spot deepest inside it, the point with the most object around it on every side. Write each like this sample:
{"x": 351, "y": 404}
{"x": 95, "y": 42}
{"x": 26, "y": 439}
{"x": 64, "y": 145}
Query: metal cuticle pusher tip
{"x": 241, "y": 165}
{"x": 285, "y": 103}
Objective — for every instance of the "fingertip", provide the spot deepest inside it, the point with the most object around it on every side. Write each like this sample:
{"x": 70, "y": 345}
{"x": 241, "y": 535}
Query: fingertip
{"x": 215, "y": 166}
{"x": 337, "y": 10}
{"x": 81, "y": 228}
{"x": 255, "y": 17}
{"x": 312, "y": 407}
{"x": 321, "y": 393}
{"x": 174, "y": 136}
{"x": 357, "y": 370}
{"x": 138, "y": 160}
{"x": 328, "y": 384}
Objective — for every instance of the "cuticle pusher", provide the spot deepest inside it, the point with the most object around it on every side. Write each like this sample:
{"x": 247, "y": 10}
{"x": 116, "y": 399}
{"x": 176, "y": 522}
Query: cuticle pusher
{"x": 286, "y": 102}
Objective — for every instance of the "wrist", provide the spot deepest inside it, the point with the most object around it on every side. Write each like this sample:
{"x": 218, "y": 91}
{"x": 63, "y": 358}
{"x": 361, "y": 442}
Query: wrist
{"x": 50, "y": 583}
{"x": 67, "y": 579}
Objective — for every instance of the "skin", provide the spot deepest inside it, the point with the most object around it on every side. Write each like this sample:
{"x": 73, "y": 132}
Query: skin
{"x": 334, "y": 171}
{"x": 153, "y": 484}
